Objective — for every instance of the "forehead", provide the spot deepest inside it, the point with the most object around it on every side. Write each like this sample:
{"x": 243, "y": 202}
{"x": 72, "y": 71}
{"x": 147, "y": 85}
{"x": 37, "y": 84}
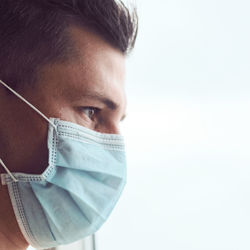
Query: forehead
{"x": 101, "y": 66}
{"x": 98, "y": 68}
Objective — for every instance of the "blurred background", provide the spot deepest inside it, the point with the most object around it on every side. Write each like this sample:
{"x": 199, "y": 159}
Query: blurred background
{"x": 187, "y": 131}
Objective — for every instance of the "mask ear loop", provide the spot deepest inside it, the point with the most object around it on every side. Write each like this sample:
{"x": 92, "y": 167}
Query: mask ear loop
{"x": 8, "y": 171}
{"x": 34, "y": 108}
{"x": 28, "y": 103}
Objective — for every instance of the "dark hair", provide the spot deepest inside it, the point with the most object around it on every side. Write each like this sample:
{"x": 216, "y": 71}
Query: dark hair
{"x": 34, "y": 33}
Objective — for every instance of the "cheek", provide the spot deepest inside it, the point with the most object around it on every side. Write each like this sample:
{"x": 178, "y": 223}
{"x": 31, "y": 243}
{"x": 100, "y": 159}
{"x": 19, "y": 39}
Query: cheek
{"x": 26, "y": 146}
{"x": 3, "y": 144}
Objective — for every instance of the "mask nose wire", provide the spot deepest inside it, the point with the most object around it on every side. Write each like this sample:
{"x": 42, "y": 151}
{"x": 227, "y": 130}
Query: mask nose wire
{"x": 34, "y": 108}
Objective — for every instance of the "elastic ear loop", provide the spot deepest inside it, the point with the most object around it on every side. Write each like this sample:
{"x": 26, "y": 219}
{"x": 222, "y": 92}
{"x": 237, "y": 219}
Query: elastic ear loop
{"x": 34, "y": 108}
{"x": 8, "y": 171}
{"x": 28, "y": 103}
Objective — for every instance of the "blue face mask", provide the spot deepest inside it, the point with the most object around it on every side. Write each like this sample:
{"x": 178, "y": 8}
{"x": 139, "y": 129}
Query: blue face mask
{"x": 73, "y": 197}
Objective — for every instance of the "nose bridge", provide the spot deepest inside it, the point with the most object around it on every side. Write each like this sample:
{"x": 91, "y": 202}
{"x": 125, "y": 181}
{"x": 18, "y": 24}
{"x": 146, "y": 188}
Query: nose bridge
{"x": 115, "y": 129}
{"x": 111, "y": 128}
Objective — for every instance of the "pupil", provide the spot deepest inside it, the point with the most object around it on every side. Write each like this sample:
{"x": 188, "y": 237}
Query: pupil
{"x": 91, "y": 112}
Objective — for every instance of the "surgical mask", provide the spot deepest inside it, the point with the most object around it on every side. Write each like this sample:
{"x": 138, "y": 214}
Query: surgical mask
{"x": 76, "y": 193}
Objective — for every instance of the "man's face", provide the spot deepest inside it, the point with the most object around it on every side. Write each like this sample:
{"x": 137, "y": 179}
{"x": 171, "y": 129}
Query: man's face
{"x": 88, "y": 91}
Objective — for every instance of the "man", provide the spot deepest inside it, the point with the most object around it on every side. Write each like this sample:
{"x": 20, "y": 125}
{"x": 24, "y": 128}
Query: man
{"x": 62, "y": 68}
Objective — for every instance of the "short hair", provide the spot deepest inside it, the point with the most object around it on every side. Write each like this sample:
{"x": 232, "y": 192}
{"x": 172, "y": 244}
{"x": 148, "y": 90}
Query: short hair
{"x": 34, "y": 33}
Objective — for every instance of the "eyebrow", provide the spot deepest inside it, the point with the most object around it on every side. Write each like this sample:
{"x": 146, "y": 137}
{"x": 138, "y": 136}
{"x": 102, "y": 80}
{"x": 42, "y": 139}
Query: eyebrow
{"x": 107, "y": 102}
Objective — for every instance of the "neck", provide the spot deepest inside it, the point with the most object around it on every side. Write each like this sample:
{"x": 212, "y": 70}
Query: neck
{"x": 11, "y": 237}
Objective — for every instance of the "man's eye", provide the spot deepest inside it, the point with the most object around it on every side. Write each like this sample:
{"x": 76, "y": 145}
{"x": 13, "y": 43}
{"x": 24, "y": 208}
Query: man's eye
{"x": 90, "y": 111}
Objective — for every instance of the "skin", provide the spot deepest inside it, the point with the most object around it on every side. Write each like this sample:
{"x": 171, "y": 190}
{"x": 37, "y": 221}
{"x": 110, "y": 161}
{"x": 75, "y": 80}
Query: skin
{"x": 65, "y": 91}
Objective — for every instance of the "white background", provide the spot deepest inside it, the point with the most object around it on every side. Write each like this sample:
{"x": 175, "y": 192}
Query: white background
{"x": 187, "y": 130}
